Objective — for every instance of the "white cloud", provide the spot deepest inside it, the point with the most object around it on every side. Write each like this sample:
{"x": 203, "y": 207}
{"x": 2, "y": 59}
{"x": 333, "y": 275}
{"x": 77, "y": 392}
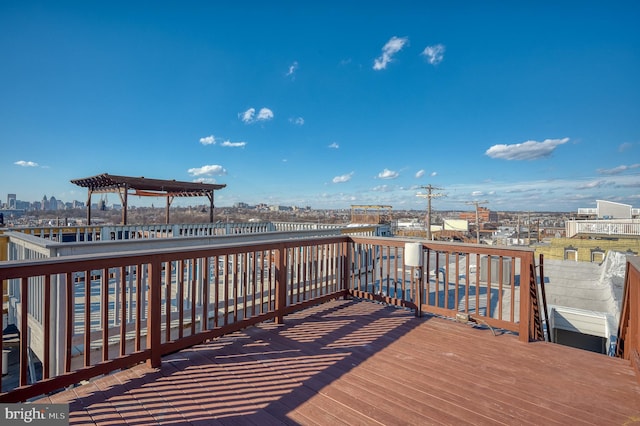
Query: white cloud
{"x": 292, "y": 68}
{"x": 433, "y": 174}
{"x": 625, "y": 146}
{"x": 247, "y": 116}
{"x": 233, "y": 144}
{"x": 209, "y": 170}
{"x": 265, "y": 114}
{"x": 617, "y": 170}
{"x": 343, "y": 178}
{"x": 434, "y": 54}
{"x": 23, "y": 163}
{"x": 382, "y": 188}
{"x": 477, "y": 193}
{"x": 298, "y": 121}
{"x": 393, "y": 46}
{"x": 529, "y": 150}
{"x": 334, "y": 145}
{"x": 419, "y": 174}
{"x": 211, "y": 140}
{"x": 388, "y": 174}
{"x": 592, "y": 184}
{"x": 208, "y": 140}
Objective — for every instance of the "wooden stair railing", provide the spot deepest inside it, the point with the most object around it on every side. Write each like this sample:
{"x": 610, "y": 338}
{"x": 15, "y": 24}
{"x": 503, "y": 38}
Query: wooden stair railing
{"x": 628, "y": 341}
{"x": 536, "y": 331}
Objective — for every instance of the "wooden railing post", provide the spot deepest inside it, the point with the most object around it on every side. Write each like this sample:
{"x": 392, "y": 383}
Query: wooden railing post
{"x": 632, "y": 341}
{"x": 633, "y": 345}
{"x": 526, "y": 263}
{"x": 281, "y": 283}
{"x": 419, "y": 288}
{"x": 346, "y": 267}
{"x": 154, "y": 316}
{"x": 24, "y": 330}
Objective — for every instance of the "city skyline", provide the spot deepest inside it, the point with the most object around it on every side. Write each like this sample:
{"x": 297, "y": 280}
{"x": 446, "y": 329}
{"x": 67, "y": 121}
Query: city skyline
{"x": 114, "y": 203}
{"x": 529, "y": 108}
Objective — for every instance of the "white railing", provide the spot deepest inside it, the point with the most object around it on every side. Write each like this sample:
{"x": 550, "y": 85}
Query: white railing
{"x": 131, "y": 232}
{"x": 627, "y": 227}
{"x": 62, "y": 233}
{"x": 588, "y": 210}
{"x": 304, "y": 226}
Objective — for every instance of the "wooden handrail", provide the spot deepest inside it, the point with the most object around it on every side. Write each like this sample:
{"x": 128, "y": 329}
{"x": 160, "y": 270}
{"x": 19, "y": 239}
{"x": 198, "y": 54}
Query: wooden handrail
{"x": 628, "y": 341}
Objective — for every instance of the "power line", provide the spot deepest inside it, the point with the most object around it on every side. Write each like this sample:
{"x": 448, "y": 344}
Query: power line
{"x": 429, "y": 195}
{"x": 477, "y": 203}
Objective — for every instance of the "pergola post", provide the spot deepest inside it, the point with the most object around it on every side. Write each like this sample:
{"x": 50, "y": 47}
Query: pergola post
{"x": 89, "y": 191}
{"x": 125, "y": 199}
{"x": 166, "y": 215}
{"x": 210, "y": 196}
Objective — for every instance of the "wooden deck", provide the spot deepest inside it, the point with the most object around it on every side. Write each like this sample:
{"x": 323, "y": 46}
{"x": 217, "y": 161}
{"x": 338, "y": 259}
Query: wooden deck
{"x": 353, "y": 362}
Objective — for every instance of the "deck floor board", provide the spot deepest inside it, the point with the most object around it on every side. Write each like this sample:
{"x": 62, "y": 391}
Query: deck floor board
{"x": 356, "y": 362}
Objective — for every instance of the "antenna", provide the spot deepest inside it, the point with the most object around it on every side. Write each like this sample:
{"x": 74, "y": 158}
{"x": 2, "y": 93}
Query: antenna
{"x": 477, "y": 203}
{"x": 429, "y": 195}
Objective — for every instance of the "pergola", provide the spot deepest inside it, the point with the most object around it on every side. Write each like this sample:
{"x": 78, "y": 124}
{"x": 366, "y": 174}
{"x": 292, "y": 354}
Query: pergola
{"x": 144, "y": 187}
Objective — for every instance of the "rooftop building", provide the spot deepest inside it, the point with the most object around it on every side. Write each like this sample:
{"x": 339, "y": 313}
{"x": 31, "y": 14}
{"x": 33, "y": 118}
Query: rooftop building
{"x": 608, "y": 210}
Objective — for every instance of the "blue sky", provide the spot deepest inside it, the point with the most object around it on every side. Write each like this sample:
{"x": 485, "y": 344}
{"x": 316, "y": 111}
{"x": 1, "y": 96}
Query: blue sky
{"x": 525, "y": 105}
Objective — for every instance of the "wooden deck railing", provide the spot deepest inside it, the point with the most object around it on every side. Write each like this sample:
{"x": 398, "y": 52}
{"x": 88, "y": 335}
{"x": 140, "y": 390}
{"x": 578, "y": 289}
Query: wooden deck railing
{"x": 110, "y": 311}
{"x": 628, "y": 342}
{"x": 493, "y": 286}
{"x": 22, "y": 246}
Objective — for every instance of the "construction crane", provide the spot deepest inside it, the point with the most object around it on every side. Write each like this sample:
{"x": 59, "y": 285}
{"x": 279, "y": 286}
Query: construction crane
{"x": 429, "y": 195}
{"x": 477, "y": 203}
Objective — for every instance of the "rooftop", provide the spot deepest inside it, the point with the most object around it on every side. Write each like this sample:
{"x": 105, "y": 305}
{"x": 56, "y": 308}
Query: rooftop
{"x": 179, "y": 326}
{"x": 358, "y": 362}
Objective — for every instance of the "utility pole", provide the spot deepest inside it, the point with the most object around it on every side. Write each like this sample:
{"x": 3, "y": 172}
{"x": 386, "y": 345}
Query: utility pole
{"x": 477, "y": 203}
{"x": 429, "y": 195}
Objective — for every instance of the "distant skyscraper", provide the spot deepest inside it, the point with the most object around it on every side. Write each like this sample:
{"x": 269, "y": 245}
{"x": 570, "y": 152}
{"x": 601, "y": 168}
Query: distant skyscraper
{"x": 11, "y": 201}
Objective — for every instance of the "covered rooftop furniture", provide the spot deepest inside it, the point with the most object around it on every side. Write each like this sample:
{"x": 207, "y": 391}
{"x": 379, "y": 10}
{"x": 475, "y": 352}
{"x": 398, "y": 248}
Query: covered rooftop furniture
{"x": 145, "y": 187}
